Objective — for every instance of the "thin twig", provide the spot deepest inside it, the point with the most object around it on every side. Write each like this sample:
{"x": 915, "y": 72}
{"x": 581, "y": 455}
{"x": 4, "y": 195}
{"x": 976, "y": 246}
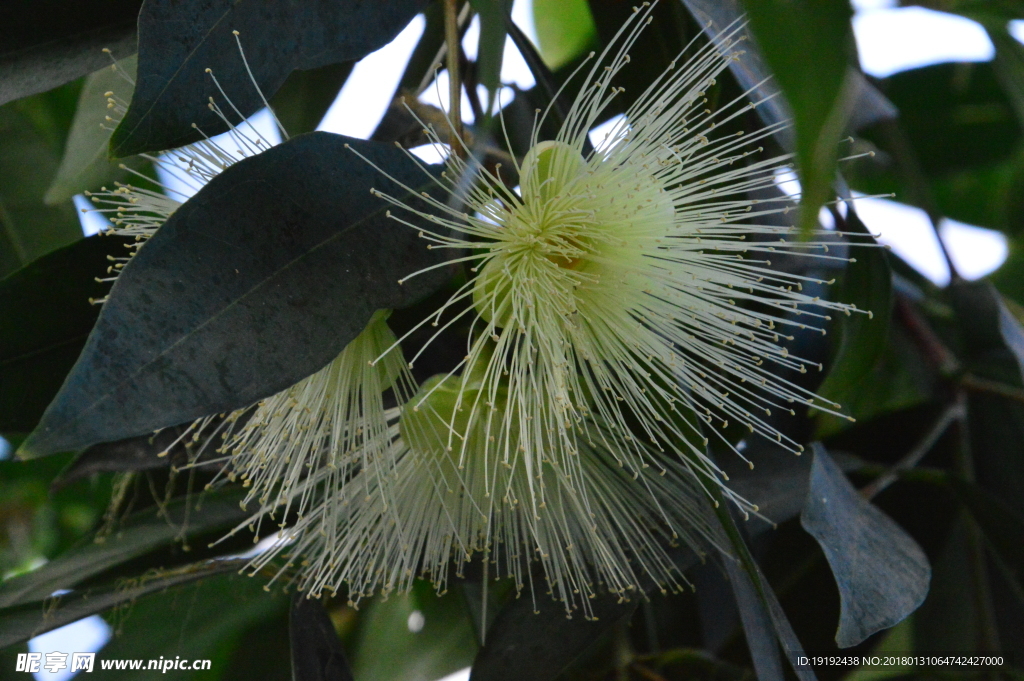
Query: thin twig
{"x": 646, "y": 672}
{"x": 908, "y": 166}
{"x": 983, "y": 385}
{"x": 941, "y": 357}
{"x": 953, "y": 412}
{"x": 451, "y": 38}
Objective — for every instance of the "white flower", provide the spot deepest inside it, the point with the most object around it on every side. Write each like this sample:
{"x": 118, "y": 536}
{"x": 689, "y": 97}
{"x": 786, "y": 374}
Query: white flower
{"x": 139, "y": 212}
{"x": 632, "y": 287}
{"x": 623, "y": 302}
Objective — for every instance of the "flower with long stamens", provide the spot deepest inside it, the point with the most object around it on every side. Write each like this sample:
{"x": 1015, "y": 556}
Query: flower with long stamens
{"x": 619, "y": 303}
{"x": 299, "y": 447}
{"x": 634, "y": 280}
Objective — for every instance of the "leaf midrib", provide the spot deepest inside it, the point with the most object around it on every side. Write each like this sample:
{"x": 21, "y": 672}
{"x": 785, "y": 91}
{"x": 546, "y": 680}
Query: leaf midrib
{"x": 223, "y": 311}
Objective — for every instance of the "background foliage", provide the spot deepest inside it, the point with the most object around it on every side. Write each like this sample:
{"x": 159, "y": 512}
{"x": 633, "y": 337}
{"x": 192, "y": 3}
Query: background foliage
{"x": 926, "y": 486}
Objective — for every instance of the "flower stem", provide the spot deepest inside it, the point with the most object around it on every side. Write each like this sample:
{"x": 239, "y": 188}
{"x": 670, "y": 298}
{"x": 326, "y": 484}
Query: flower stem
{"x": 451, "y": 38}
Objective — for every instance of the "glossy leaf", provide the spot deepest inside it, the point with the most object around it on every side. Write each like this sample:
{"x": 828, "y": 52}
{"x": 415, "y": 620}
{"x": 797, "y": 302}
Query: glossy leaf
{"x": 141, "y": 453}
{"x": 22, "y": 622}
{"x": 33, "y": 132}
{"x": 534, "y": 639}
{"x": 881, "y": 572}
{"x": 862, "y": 336}
{"x": 317, "y": 654}
{"x": 820, "y": 97}
{"x": 305, "y": 97}
{"x": 85, "y": 165}
{"x": 565, "y": 30}
{"x": 199, "y": 620}
{"x": 961, "y": 104}
{"x": 901, "y": 379}
{"x": 386, "y": 647}
{"x": 766, "y": 600}
{"x": 178, "y": 42}
{"x": 753, "y": 74}
{"x": 995, "y": 423}
{"x": 976, "y": 174}
{"x": 47, "y": 317}
{"x": 1013, "y": 334}
{"x": 491, "y": 46}
{"x": 138, "y": 535}
{"x": 757, "y": 625}
{"x": 1002, "y": 526}
{"x": 258, "y": 281}
{"x": 777, "y": 483}
{"x": 46, "y": 43}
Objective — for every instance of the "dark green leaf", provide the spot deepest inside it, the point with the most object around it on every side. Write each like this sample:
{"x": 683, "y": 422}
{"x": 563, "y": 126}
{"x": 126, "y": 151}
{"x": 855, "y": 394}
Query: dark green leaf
{"x": 317, "y": 654}
{"x": 46, "y": 318}
{"x": 766, "y": 597}
{"x": 42, "y": 523}
{"x": 423, "y": 56}
{"x": 491, "y": 46}
{"x": 753, "y": 74}
{"x": 961, "y": 104}
{"x": 141, "y": 453}
{"x": 996, "y": 423}
{"x": 255, "y": 283}
{"x": 821, "y": 98}
{"x": 757, "y": 625}
{"x": 46, "y": 43}
{"x": 901, "y": 379}
{"x": 197, "y": 620}
{"x": 305, "y": 97}
{"x": 950, "y": 620}
{"x": 398, "y": 125}
{"x": 660, "y": 43}
{"x": 881, "y": 572}
{"x": 976, "y": 173}
{"x": 179, "y": 41}
{"x": 867, "y": 284}
{"x": 991, "y": 337}
{"x": 22, "y": 622}
{"x": 547, "y": 84}
{"x": 1012, "y": 332}
{"x": 85, "y": 165}
{"x": 777, "y": 483}
{"x": 33, "y": 132}
{"x": 1002, "y": 526}
{"x": 139, "y": 534}
{"x": 1009, "y": 62}
{"x": 1009, "y": 278}
{"x": 532, "y": 639}
{"x": 996, "y": 428}
{"x": 386, "y": 648}
{"x": 260, "y": 652}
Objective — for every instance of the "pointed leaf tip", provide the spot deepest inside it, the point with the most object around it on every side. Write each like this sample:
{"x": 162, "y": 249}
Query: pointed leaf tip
{"x": 256, "y": 282}
{"x": 881, "y": 572}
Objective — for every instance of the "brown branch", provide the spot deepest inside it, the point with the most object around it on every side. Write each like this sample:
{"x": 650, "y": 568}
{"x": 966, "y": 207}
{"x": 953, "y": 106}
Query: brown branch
{"x": 983, "y": 385}
{"x": 941, "y": 357}
{"x": 951, "y": 413}
{"x": 451, "y": 37}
